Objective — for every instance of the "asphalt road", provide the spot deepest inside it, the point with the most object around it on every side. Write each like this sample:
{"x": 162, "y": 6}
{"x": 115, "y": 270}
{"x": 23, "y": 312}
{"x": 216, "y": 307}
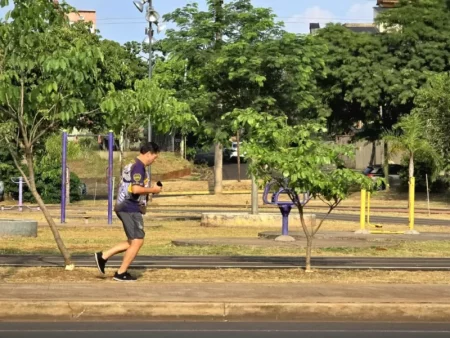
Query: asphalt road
{"x": 240, "y": 262}
{"x": 222, "y": 330}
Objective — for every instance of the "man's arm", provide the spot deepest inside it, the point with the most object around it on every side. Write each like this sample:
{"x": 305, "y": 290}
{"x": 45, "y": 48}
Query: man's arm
{"x": 139, "y": 190}
{"x": 138, "y": 182}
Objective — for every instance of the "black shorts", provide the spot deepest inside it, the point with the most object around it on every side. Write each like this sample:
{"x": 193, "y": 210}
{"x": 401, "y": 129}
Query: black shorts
{"x": 133, "y": 224}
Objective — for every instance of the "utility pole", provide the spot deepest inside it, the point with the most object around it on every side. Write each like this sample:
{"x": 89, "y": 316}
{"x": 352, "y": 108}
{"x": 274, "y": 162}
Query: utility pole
{"x": 385, "y": 155}
{"x": 218, "y": 148}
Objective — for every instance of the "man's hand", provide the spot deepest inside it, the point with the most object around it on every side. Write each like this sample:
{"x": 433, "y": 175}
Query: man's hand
{"x": 156, "y": 189}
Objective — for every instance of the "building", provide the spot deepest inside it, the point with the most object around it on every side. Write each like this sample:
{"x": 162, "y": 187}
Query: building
{"x": 371, "y": 28}
{"x": 86, "y": 16}
{"x": 314, "y": 27}
{"x": 383, "y": 5}
{"x": 362, "y": 27}
{"x": 82, "y": 15}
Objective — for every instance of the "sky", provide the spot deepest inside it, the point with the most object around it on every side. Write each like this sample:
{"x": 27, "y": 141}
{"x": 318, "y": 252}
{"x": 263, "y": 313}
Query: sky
{"x": 119, "y": 20}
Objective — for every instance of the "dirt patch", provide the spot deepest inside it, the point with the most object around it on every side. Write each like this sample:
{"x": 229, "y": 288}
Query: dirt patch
{"x": 89, "y": 275}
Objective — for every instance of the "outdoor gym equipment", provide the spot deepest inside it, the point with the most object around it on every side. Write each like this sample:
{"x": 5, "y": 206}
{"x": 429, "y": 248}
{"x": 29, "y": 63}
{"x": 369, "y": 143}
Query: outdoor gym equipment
{"x": 20, "y": 206}
{"x": 109, "y": 174}
{"x": 284, "y": 206}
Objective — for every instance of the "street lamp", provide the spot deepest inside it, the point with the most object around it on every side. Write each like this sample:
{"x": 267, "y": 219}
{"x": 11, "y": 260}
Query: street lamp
{"x": 152, "y": 17}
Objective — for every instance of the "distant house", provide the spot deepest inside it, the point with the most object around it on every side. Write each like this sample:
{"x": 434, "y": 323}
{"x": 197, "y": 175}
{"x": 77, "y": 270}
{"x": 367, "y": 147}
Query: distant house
{"x": 314, "y": 27}
{"x": 371, "y": 28}
{"x": 82, "y": 15}
{"x": 85, "y": 16}
{"x": 362, "y": 27}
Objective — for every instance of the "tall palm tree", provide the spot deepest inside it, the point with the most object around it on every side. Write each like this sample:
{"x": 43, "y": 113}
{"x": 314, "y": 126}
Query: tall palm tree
{"x": 410, "y": 135}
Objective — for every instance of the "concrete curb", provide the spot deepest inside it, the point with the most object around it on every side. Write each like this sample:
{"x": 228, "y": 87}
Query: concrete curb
{"x": 87, "y": 310}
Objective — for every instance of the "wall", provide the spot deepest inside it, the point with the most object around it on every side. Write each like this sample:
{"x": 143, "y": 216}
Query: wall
{"x": 364, "y": 151}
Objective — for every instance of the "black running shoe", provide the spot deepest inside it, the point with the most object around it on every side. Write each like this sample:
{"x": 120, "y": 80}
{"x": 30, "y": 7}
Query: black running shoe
{"x": 124, "y": 277}
{"x": 100, "y": 262}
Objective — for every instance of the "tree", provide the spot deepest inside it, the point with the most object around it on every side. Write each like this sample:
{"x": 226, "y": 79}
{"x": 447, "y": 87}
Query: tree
{"x": 48, "y": 69}
{"x": 409, "y": 135}
{"x": 298, "y": 159}
{"x": 432, "y": 103}
{"x": 373, "y": 78}
{"x": 238, "y": 57}
{"x": 146, "y": 99}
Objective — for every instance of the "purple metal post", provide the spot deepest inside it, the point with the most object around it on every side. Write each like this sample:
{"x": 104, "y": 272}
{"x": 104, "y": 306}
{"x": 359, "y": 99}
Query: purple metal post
{"x": 285, "y": 211}
{"x": 110, "y": 175}
{"x": 20, "y": 193}
{"x": 63, "y": 180}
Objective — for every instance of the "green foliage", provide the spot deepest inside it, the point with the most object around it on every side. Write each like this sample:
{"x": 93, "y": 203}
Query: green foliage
{"x": 48, "y": 184}
{"x": 49, "y": 69}
{"x": 53, "y": 150}
{"x": 236, "y": 56}
{"x": 410, "y": 135}
{"x": 433, "y": 105}
{"x": 369, "y": 71}
{"x": 7, "y": 170}
{"x": 48, "y": 170}
{"x": 347, "y": 88}
{"x": 297, "y": 157}
{"x": 424, "y": 164}
{"x": 147, "y": 99}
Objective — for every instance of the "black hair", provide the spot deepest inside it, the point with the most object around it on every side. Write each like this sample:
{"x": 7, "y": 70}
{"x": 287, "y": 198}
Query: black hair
{"x": 151, "y": 147}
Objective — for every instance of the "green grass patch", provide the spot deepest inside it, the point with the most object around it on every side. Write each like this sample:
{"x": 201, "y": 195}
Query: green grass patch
{"x": 159, "y": 242}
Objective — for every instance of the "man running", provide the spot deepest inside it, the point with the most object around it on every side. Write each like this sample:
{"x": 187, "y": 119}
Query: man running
{"x": 130, "y": 212}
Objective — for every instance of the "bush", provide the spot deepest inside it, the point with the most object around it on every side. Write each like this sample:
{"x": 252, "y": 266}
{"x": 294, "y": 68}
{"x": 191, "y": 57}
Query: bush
{"x": 88, "y": 144}
{"x": 47, "y": 170}
{"x": 48, "y": 184}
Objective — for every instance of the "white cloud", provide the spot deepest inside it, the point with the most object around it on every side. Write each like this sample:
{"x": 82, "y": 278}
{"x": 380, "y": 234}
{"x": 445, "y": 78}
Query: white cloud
{"x": 300, "y": 23}
{"x": 357, "y": 13}
{"x": 361, "y": 12}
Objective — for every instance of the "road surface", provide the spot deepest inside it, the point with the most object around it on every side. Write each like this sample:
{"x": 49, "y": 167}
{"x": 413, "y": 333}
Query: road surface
{"x": 222, "y": 330}
{"x": 240, "y": 262}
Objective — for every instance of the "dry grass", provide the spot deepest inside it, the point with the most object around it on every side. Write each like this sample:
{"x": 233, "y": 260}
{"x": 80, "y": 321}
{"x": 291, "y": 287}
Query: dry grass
{"x": 90, "y": 275}
{"x": 92, "y": 165}
{"x": 84, "y": 240}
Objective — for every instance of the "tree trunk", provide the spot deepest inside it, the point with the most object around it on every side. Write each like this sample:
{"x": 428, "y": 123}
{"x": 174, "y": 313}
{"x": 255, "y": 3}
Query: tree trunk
{"x": 374, "y": 152}
{"x": 238, "y": 157}
{"x": 182, "y": 147}
{"x": 411, "y": 165}
{"x": 121, "y": 148}
{"x": 218, "y": 168}
{"x": 309, "y": 243}
{"x": 32, "y": 185}
{"x": 254, "y": 196}
{"x": 67, "y": 186}
{"x": 386, "y": 165}
{"x": 309, "y": 239}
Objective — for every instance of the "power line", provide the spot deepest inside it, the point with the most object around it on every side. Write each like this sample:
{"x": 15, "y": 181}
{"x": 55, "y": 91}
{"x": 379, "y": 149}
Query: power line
{"x": 278, "y": 17}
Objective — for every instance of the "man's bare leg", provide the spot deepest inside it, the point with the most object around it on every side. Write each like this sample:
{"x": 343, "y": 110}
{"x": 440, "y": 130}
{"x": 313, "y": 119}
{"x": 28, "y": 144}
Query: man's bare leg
{"x": 121, "y": 247}
{"x": 130, "y": 254}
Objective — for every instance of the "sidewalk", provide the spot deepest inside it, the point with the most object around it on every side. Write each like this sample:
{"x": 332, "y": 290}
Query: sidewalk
{"x": 207, "y": 301}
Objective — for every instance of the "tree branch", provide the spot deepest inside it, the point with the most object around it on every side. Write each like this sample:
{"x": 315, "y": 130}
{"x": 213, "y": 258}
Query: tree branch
{"x": 42, "y": 133}
{"x": 332, "y": 207}
{"x": 20, "y": 117}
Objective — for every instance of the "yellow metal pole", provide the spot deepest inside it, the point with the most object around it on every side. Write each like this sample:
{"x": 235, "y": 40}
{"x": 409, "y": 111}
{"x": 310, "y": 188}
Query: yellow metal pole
{"x": 362, "y": 217}
{"x": 368, "y": 208}
{"x": 412, "y": 186}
